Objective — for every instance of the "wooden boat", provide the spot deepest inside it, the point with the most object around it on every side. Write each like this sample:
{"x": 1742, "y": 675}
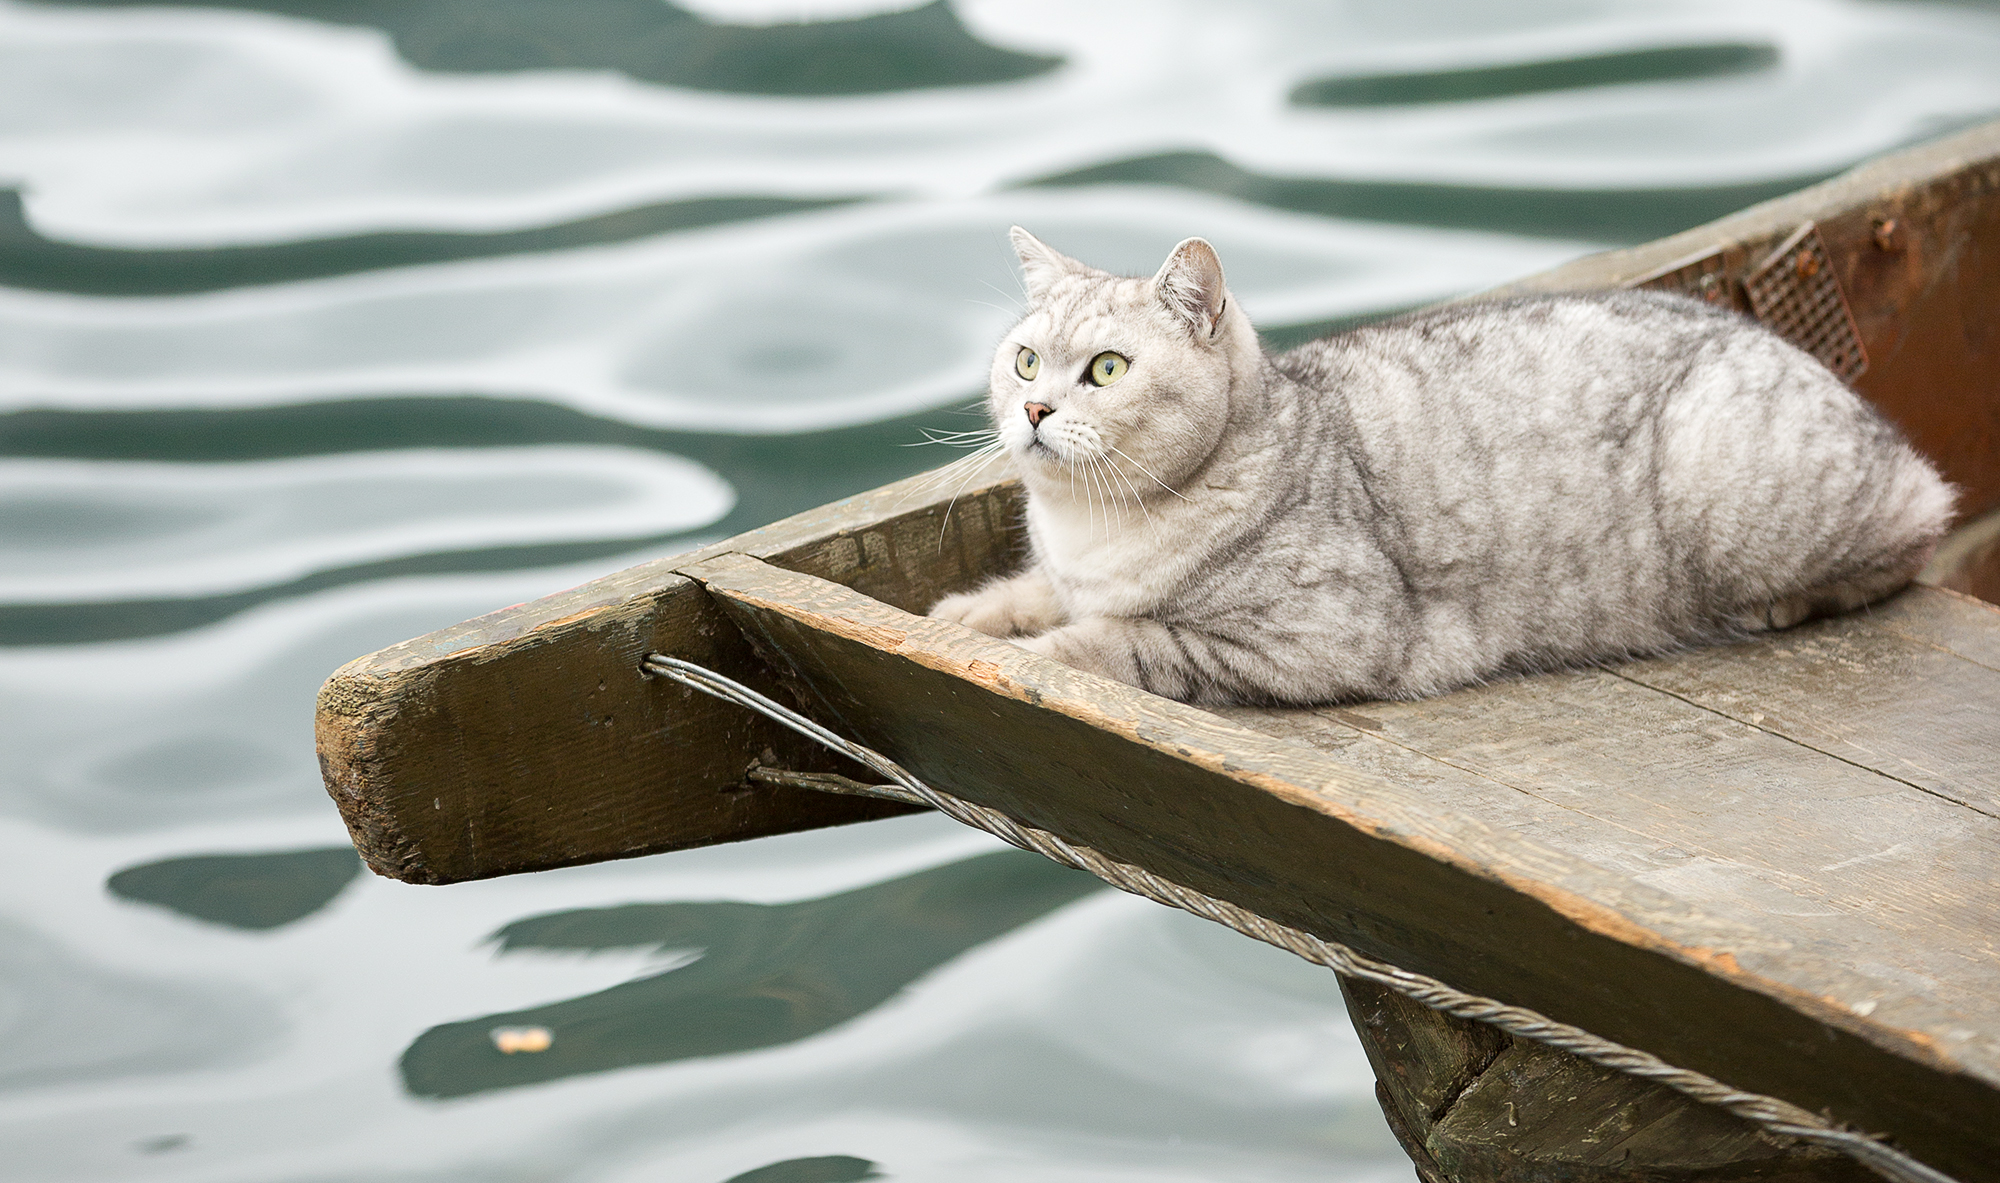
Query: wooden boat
{"x": 1772, "y": 862}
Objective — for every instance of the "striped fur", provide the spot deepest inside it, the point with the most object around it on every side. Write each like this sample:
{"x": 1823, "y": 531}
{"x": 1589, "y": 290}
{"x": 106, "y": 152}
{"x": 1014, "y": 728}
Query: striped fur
{"x": 1420, "y": 504}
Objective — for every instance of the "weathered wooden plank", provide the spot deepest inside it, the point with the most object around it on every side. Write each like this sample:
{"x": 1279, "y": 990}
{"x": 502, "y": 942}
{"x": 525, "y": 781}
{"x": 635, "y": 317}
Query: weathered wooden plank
{"x": 1952, "y": 619}
{"x": 527, "y": 739}
{"x": 1422, "y": 1062}
{"x": 1843, "y": 937}
{"x": 1412, "y": 875}
{"x": 466, "y": 767}
{"x": 1795, "y": 849}
{"x": 1860, "y": 689}
{"x": 1472, "y": 1105}
{"x": 1538, "y": 1116}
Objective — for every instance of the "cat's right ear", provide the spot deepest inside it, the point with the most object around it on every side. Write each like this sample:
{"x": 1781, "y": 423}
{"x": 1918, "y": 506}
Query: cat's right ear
{"x": 1041, "y": 264}
{"x": 1190, "y": 285}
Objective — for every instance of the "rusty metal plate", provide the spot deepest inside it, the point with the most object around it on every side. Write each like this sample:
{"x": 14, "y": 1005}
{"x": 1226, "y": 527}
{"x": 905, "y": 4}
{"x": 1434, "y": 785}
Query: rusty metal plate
{"x": 1796, "y": 293}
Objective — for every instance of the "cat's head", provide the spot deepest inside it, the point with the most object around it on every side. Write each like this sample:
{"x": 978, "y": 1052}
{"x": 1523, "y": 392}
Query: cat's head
{"x": 1134, "y": 374}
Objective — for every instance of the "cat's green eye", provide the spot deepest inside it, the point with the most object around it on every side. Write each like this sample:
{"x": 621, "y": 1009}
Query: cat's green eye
{"x": 1108, "y": 367}
{"x": 1027, "y": 363}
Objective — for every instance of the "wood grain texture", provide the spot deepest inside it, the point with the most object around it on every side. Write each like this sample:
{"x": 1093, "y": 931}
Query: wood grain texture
{"x": 1472, "y": 1105}
{"x": 1885, "y": 885}
{"x": 527, "y": 739}
{"x": 1861, "y": 689}
{"x": 1538, "y": 1116}
{"x": 1423, "y": 1060}
{"x": 563, "y": 753}
{"x": 1502, "y": 839}
{"x": 1951, "y": 621}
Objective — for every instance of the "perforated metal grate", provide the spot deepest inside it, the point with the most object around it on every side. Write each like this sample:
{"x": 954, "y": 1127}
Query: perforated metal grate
{"x": 1797, "y": 295}
{"x": 1705, "y": 277}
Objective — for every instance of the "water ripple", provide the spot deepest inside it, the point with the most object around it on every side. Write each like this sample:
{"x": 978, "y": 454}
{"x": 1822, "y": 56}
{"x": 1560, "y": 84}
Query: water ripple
{"x": 658, "y": 41}
{"x": 28, "y": 260}
{"x": 1604, "y": 215}
{"x": 213, "y": 725}
{"x": 74, "y": 531}
{"x": 1676, "y": 63}
{"x": 254, "y": 892}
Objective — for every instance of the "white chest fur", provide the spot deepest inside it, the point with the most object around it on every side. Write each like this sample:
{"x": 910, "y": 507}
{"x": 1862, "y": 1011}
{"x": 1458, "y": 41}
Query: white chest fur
{"x": 1111, "y": 557}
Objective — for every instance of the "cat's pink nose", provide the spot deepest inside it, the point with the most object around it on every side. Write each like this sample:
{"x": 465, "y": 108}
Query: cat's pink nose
{"x": 1037, "y": 412}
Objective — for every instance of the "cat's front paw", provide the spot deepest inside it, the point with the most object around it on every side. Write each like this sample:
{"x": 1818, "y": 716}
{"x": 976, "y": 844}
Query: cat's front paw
{"x": 991, "y": 612}
{"x": 1021, "y": 606}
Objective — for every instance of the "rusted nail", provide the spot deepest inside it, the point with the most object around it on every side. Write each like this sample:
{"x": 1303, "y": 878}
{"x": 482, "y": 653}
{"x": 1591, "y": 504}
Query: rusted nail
{"x": 1885, "y": 234}
{"x": 1808, "y": 264}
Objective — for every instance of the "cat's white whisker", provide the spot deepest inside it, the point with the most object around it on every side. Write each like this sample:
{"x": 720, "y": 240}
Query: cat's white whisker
{"x": 1149, "y": 472}
{"x": 1111, "y": 495}
{"x": 1090, "y": 480}
{"x": 1004, "y": 294}
{"x": 1136, "y": 499}
{"x": 964, "y": 468}
{"x": 955, "y": 439}
{"x": 1089, "y": 498}
{"x": 975, "y": 464}
{"x": 1110, "y": 491}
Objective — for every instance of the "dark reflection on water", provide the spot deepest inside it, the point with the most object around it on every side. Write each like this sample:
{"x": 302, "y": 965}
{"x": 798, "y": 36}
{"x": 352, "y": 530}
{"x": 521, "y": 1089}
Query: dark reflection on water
{"x": 774, "y": 476}
{"x": 769, "y": 973}
{"x": 833, "y": 1168}
{"x": 1607, "y": 215}
{"x": 655, "y": 41}
{"x": 28, "y": 260}
{"x": 117, "y": 620}
{"x": 1676, "y": 63}
{"x": 249, "y": 891}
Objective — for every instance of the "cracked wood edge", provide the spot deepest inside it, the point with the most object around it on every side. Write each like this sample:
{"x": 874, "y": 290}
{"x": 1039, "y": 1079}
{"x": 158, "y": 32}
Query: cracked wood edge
{"x": 482, "y": 749}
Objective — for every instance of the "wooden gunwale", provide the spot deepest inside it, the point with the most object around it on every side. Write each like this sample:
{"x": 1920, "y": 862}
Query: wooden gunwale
{"x": 1509, "y": 839}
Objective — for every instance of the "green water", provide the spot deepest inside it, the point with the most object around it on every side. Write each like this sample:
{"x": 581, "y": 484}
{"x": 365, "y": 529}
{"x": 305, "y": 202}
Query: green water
{"x": 325, "y": 324}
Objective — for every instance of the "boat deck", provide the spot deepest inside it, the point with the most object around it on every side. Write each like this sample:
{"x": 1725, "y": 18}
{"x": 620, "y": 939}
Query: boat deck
{"x": 1820, "y": 809}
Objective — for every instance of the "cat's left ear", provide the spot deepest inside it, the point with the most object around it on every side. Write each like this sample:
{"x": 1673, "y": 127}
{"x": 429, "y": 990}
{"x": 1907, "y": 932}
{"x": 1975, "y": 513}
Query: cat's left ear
{"x": 1190, "y": 285}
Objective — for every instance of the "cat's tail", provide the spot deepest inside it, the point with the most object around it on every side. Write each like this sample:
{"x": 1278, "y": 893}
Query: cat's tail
{"x": 1913, "y": 508}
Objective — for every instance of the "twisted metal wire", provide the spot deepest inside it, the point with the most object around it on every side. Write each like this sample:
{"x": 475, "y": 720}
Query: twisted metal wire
{"x": 1769, "y": 1113}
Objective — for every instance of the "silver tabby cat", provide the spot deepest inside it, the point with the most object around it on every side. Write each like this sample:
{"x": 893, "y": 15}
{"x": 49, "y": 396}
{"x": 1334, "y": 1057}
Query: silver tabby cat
{"x": 1424, "y": 503}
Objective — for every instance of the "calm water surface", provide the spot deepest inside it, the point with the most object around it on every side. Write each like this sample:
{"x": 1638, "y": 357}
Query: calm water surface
{"x": 324, "y": 323}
